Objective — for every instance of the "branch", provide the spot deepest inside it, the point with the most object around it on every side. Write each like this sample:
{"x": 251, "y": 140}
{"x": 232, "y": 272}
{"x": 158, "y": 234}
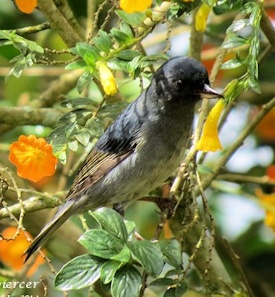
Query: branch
{"x": 59, "y": 22}
{"x": 66, "y": 11}
{"x": 32, "y": 29}
{"x": 18, "y": 116}
{"x": 31, "y": 205}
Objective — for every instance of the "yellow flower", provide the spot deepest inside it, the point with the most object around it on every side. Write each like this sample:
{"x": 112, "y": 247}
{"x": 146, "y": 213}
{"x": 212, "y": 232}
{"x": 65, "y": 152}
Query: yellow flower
{"x": 134, "y": 5}
{"x": 209, "y": 141}
{"x": 268, "y": 201}
{"x": 33, "y": 158}
{"x": 201, "y": 17}
{"x": 107, "y": 79}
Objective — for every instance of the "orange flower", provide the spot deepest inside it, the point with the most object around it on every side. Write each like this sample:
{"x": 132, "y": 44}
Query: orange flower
{"x": 11, "y": 251}
{"x": 134, "y": 5}
{"x": 107, "y": 78}
{"x": 201, "y": 17}
{"x": 209, "y": 140}
{"x": 33, "y": 158}
{"x": 26, "y": 6}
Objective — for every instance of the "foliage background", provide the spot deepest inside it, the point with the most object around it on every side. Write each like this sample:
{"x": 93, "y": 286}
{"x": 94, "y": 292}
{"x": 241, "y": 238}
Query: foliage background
{"x": 30, "y": 104}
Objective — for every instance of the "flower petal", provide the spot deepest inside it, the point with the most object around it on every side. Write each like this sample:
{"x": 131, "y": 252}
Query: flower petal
{"x": 134, "y": 5}
{"x": 33, "y": 158}
{"x": 209, "y": 140}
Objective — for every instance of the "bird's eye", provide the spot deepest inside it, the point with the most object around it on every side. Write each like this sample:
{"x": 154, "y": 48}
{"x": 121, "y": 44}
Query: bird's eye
{"x": 179, "y": 83}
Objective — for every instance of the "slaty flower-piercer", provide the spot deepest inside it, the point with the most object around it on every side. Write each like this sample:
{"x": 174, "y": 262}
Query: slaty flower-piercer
{"x": 142, "y": 148}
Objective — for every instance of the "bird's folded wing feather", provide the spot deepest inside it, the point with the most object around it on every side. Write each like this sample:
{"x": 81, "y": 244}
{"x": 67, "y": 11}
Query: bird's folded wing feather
{"x": 116, "y": 144}
{"x": 96, "y": 166}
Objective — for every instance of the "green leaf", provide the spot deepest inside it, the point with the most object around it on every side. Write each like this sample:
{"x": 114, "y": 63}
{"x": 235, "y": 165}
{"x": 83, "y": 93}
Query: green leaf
{"x": 108, "y": 270}
{"x": 83, "y": 48}
{"x": 164, "y": 281}
{"x": 149, "y": 255}
{"x": 111, "y": 221}
{"x": 112, "y": 110}
{"x": 83, "y": 80}
{"x": 125, "y": 28}
{"x": 128, "y": 54}
{"x": 79, "y": 273}
{"x": 131, "y": 227}
{"x": 83, "y": 137}
{"x": 100, "y": 243}
{"x": 231, "y": 64}
{"x": 103, "y": 41}
{"x": 120, "y": 36}
{"x": 238, "y": 25}
{"x": 172, "y": 252}
{"x": 124, "y": 256}
{"x": 126, "y": 282}
{"x": 234, "y": 41}
{"x": 134, "y": 19}
{"x": 95, "y": 127}
{"x": 76, "y": 65}
{"x": 77, "y": 102}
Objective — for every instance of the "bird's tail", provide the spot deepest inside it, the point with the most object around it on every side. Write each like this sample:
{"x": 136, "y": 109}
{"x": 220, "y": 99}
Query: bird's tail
{"x": 62, "y": 215}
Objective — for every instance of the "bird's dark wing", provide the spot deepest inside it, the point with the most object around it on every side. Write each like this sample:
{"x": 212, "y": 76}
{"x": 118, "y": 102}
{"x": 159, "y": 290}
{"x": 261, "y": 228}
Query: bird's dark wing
{"x": 116, "y": 144}
{"x": 96, "y": 166}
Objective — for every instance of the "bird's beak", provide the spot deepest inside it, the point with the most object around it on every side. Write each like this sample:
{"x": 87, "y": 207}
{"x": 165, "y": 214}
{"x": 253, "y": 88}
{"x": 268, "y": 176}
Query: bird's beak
{"x": 209, "y": 93}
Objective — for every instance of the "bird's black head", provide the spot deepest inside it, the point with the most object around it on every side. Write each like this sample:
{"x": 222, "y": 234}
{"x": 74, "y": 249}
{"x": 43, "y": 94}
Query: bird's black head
{"x": 184, "y": 78}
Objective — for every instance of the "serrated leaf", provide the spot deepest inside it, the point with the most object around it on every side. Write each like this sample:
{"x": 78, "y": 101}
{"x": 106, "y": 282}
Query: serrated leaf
{"x": 108, "y": 270}
{"x": 134, "y": 19}
{"x": 79, "y": 273}
{"x": 171, "y": 250}
{"x": 100, "y": 243}
{"x": 149, "y": 255}
{"x": 111, "y": 221}
{"x": 126, "y": 282}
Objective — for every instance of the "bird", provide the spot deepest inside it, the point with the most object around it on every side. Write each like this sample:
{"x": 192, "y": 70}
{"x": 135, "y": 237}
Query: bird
{"x": 143, "y": 146}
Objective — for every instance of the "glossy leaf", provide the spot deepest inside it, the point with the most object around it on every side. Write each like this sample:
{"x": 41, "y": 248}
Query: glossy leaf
{"x": 126, "y": 282}
{"x": 100, "y": 243}
{"x": 149, "y": 255}
{"x": 111, "y": 221}
{"x": 171, "y": 250}
{"x": 108, "y": 270}
{"x": 79, "y": 273}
